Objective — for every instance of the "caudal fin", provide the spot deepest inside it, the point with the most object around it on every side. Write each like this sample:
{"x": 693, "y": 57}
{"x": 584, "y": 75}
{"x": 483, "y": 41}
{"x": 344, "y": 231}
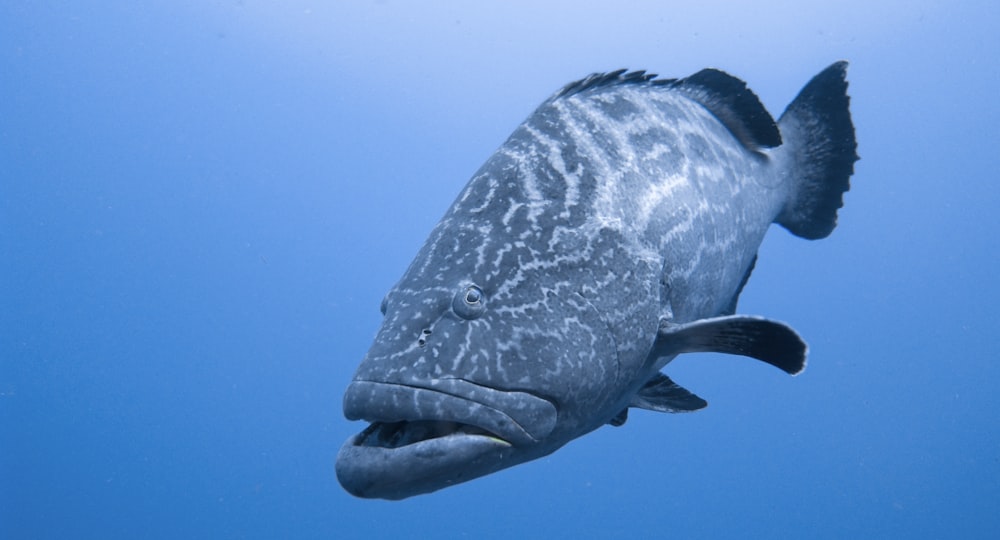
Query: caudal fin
{"x": 818, "y": 153}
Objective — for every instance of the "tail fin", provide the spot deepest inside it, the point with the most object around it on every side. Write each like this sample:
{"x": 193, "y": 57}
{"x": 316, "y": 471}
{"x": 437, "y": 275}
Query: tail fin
{"x": 818, "y": 153}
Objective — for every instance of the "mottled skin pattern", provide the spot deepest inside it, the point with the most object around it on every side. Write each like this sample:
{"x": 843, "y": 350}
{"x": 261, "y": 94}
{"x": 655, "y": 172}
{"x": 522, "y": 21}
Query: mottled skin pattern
{"x": 608, "y": 212}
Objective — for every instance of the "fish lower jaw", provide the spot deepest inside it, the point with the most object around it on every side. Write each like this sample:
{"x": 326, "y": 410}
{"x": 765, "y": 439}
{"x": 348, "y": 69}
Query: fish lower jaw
{"x": 392, "y": 435}
{"x": 419, "y": 465}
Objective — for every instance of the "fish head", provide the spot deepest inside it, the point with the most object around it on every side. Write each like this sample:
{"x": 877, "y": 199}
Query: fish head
{"x": 472, "y": 372}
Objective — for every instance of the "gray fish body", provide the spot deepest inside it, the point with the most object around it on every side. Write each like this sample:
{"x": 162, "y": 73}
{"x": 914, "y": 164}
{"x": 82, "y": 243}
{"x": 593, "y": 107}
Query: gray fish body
{"x": 607, "y": 235}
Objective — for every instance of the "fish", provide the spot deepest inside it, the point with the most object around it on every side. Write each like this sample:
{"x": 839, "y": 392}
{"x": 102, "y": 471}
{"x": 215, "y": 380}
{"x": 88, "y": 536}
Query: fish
{"x": 613, "y": 231}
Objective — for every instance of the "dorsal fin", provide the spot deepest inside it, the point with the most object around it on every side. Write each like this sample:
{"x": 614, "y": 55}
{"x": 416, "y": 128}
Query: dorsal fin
{"x": 611, "y": 78}
{"x": 725, "y": 96}
{"x": 735, "y": 105}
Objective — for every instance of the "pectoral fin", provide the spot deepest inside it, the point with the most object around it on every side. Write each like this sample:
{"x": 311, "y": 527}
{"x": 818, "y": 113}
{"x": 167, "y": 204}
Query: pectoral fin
{"x": 768, "y": 341}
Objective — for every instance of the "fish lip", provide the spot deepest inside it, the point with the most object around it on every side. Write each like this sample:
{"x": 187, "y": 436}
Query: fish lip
{"x": 421, "y": 467}
{"x": 432, "y": 434}
{"x": 516, "y": 417}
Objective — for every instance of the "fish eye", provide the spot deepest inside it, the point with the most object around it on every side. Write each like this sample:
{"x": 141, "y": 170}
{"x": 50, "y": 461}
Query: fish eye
{"x": 473, "y": 296}
{"x": 385, "y": 303}
{"x": 469, "y": 303}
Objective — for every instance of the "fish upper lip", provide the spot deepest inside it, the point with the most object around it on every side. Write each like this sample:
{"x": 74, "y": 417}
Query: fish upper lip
{"x": 517, "y": 417}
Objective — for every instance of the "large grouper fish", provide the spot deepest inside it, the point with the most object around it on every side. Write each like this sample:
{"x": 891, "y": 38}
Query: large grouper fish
{"x": 613, "y": 231}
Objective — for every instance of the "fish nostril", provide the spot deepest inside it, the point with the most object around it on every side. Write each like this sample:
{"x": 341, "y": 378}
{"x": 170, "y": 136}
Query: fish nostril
{"x": 422, "y": 340}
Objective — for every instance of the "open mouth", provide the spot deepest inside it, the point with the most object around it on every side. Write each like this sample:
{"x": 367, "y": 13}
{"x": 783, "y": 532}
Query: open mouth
{"x": 398, "y": 434}
{"x": 395, "y": 460}
{"x": 427, "y": 435}
{"x": 404, "y": 414}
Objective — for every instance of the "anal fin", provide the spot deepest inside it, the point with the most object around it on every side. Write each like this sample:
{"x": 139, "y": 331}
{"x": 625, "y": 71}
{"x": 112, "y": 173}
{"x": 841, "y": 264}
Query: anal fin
{"x": 620, "y": 418}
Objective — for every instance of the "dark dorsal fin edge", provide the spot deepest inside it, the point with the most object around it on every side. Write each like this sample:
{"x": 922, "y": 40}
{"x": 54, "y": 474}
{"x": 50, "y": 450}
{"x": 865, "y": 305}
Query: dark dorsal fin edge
{"x": 735, "y": 105}
{"x": 725, "y": 96}
{"x": 611, "y": 78}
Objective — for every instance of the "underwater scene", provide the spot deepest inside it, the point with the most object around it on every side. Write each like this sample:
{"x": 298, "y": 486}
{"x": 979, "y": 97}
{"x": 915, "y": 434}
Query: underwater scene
{"x": 384, "y": 269}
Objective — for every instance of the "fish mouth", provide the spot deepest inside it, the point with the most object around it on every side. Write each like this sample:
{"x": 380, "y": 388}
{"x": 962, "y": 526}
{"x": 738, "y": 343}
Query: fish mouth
{"x": 433, "y": 434}
{"x": 392, "y": 435}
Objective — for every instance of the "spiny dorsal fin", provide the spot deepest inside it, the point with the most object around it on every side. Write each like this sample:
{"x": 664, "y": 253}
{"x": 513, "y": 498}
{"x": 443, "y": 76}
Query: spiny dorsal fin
{"x": 664, "y": 395}
{"x": 611, "y": 78}
{"x": 735, "y": 105}
{"x": 725, "y": 96}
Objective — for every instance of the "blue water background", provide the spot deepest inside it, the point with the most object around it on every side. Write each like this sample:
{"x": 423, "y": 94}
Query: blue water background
{"x": 203, "y": 203}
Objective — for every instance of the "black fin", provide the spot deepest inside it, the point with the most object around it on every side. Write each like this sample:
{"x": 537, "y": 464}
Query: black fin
{"x": 731, "y": 309}
{"x": 727, "y": 97}
{"x": 768, "y": 341}
{"x": 735, "y": 105}
{"x": 620, "y": 418}
{"x": 663, "y": 395}
{"x": 820, "y": 152}
{"x": 612, "y": 78}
